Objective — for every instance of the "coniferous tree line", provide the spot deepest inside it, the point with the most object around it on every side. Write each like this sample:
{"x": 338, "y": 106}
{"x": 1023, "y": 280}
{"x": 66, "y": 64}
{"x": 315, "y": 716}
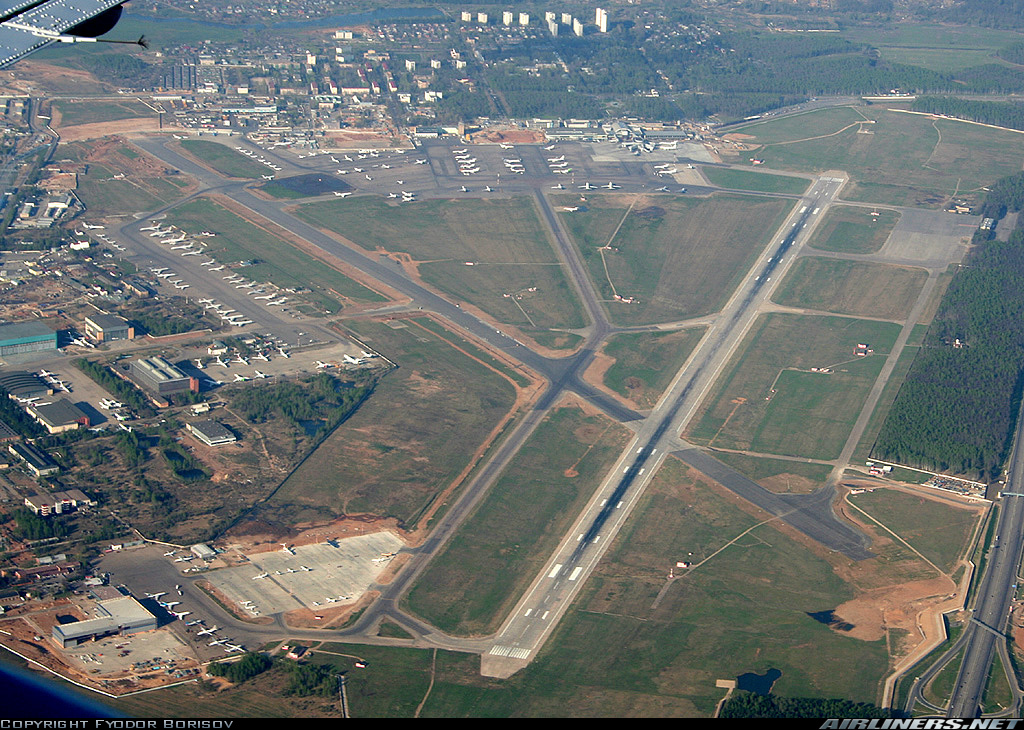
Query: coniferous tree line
{"x": 956, "y": 410}
{"x": 749, "y": 704}
{"x": 1002, "y": 114}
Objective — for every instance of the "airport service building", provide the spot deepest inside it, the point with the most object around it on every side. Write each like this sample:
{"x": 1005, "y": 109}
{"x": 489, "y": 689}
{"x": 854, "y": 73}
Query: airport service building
{"x": 26, "y": 337}
{"x": 117, "y": 616}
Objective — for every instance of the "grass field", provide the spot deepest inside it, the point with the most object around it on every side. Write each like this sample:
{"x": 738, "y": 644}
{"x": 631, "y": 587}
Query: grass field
{"x": 889, "y": 393}
{"x": 503, "y": 239}
{"x": 851, "y": 287}
{"x": 410, "y": 440}
{"x": 899, "y": 159}
{"x": 938, "y": 530}
{"x": 470, "y": 587}
{"x": 646, "y": 362}
{"x": 848, "y": 229}
{"x": 677, "y": 257}
{"x": 137, "y": 188}
{"x": 276, "y": 260}
{"x": 223, "y": 159}
{"x": 616, "y": 653}
{"x": 754, "y": 181}
{"x": 770, "y": 402}
{"x": 88, "y": 112}
{"x": 943, "y": 48}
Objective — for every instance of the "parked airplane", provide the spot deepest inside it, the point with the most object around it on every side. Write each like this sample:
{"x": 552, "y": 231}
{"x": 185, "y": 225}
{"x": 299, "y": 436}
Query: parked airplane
{"x": 353, "y": 360}
{"x": 180, "y": 615}
{"x": 207, "y": 632}
{"x": 611, "y": 186}
{"x": 321, "y": 365}
{"x": 239, "y": 378}
{"x": 259, "y": 374}
{"x": 559, "y": 186}
{"x": 505, "y": 146}
{"x": 284, "y": 354}
{"x": 488, "y": 189}
{"x": 156, "y": 595}
{"x": 571, "y": 210}
{"x": 560, "y": 158}
{"x": 587, "y": 186}
{"x": 232, "y": 648}
{"x": 261, "y": 576}
{"x": 342, "y": 195}
{"x": 464, "y": 189}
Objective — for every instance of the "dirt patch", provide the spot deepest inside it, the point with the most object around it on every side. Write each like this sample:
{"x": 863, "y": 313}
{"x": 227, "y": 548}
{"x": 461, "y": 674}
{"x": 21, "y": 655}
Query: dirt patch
{"x": 789, "y": 484}
{"x": 96, "y": 130}
{"x": 894, "y": 607}
{"x": 508, "y": 136}
{"x": 594, "y": 375}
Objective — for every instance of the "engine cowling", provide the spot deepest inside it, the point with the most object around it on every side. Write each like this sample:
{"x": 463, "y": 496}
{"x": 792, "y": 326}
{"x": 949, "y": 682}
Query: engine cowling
{"x": 97, "y": 26}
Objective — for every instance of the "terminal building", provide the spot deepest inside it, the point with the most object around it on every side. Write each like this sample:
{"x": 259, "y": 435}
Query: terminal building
{"x": 107, "y": 328}
{"x": 120, "y": 616}
{"x": 157, "y": 375}
{"x": 26, "y": 337}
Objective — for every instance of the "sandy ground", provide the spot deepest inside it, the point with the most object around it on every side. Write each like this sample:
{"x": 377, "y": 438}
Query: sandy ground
{"x": 105, "y": 129}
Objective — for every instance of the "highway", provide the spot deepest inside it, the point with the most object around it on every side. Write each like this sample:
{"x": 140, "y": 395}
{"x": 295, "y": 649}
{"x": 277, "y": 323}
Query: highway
{"x": 984, "y": 634}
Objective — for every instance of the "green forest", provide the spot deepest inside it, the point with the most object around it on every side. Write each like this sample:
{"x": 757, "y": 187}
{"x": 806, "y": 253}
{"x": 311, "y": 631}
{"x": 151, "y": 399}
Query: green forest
{"x": 957, "y": 409}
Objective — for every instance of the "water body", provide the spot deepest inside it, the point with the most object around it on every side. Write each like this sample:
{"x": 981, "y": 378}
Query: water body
{"x": 758, "y": 683}
{"x": 382, "y": 15}
{"x": 36, "y": 696}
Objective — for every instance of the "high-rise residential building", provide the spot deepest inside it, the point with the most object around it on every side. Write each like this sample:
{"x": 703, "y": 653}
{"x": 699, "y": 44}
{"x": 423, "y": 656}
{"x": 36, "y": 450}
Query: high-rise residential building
{"x": 524, "y": 18}
{"x": 601, "y": 19}
{"x": 577, "y": 27}
{"x": 506, "y": 17}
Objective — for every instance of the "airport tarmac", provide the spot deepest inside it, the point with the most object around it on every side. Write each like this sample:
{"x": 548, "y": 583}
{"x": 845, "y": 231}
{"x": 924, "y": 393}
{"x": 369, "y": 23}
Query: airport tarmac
{"x": 307, "y": 576}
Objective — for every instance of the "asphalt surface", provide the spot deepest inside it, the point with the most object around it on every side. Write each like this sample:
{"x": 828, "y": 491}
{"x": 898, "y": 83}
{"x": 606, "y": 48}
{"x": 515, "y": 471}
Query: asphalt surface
{"x": 656, "y": 432}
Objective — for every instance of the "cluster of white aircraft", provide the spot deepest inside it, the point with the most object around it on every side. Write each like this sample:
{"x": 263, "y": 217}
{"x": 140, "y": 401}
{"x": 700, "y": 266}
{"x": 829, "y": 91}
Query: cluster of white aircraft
{"x": 259, "y": 158}
{"x": 101, "y": 236}
{"x": 514, "y": 165}
{"x": 52, "y": 379}
{"x": 558, "y": 165}
{"x": 109, "y": 404}
{"x": 665, "y": 169}
{"x": 467, "y": 163}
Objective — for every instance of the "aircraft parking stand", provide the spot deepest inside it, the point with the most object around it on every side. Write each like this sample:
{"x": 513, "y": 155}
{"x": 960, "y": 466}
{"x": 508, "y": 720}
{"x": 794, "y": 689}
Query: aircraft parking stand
{"x": 333, "y": 573}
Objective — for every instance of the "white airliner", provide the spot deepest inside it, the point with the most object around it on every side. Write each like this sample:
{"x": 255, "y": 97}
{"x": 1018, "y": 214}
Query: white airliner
{"x": 284, "y": 354}
{"x": 232, "y": 648}
{"x": 464, "y": 189}
{"x": 341, "y": 195}
{"x": 353, "y": 360}
{"x": 587, "y": 186}
{"x": 459, "y": 152}
{"x": 320, "y": 364}
{"x": 259, "y": 374}
{"x": 560, "y": 158}
{"x": 612, "y": 186}
{"x": 559, "y": 186}
{"x": 261, "y": 576}
{"x": 239, "y": 378}
{"x": 571, "y": 210}
{"x": 156, "y": 595}
{"x": 421, "y": 162}
{"x": 180, "y": 615}
{"x": 505, "y": 146}
{"x": 207, "y": 632}
{"x": 488, "y": 189}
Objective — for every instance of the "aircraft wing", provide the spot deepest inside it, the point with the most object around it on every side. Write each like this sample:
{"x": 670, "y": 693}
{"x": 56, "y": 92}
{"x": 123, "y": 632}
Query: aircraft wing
{"x": 28, "y": 25}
